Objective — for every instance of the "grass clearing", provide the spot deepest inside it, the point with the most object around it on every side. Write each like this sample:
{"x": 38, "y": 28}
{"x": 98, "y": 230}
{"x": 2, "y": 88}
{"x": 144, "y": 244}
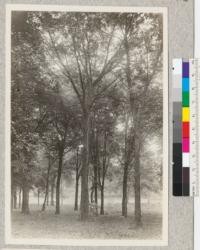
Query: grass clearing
{"x": 68, "y": 225}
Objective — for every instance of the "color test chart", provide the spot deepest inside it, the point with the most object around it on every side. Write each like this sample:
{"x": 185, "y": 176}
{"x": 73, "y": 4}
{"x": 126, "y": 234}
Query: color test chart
{"x": 185, "y": 127}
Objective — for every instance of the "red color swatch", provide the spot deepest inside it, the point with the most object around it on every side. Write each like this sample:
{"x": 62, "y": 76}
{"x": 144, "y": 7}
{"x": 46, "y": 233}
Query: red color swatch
{"x": 185, "y": 129}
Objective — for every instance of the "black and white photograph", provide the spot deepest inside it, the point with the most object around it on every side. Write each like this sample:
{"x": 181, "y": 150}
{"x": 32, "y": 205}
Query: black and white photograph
{"x": 87, "y": 125}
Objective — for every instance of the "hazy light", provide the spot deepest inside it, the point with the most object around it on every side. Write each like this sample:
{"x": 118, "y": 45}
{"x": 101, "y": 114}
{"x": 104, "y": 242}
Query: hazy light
{"x": 120, "y": 127}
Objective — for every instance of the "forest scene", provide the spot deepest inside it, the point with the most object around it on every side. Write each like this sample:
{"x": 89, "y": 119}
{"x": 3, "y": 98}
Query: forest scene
{"x": 86, "y": 125}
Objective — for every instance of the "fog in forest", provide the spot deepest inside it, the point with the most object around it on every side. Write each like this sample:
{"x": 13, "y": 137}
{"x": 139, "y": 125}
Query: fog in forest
{"x": 87, "y": 125}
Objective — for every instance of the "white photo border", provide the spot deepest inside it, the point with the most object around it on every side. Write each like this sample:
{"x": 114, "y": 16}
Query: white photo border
{"x": 84, "y": 242}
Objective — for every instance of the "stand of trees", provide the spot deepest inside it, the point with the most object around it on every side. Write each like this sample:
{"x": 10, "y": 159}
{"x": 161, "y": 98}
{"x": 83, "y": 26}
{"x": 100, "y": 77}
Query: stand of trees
{"x": 86, "y": 90}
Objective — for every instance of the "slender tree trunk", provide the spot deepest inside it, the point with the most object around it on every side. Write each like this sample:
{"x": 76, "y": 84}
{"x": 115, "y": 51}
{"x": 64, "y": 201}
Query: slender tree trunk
{"x": 95, "y": 183}
{"x": 38, "y": 197}
{"x": 137, "y": 186}
{"x": 126, "y": 165}
{"x": 124, "y": 195}
{"x": 76, "y": 194}
{"x": 95, "y": 167}
{"x": 52, "y": 192}
{"x": 12, "y": 189}
{"x": 133, "y": 108}
{"x": 19, "y": 199}
{"x": 84, "y": 206}
{"x": 12, "y": 200}
{"x": 77, "y": 181}
{"x": 61, "y": 191}
{"x": 104, "y": 172}
{"x": 102, "y": 199}
{"x": 15, "y": 199}
{"x": 92, "y": 195}
{"x": 46, "y": 199}
{"x": 59, "y": 173}
{"x": 25, "y": 199}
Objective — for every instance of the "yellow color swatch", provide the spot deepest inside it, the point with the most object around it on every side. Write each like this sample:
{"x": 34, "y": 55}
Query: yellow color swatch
{"x": 185, "y": 114}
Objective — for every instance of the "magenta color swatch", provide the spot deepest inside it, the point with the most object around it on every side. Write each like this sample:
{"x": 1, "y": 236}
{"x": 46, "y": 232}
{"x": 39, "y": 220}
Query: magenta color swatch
{"x": 185, "y": 145}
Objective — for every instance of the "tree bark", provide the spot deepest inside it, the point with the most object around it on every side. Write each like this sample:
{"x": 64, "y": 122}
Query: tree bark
{"x": 25, "y": 199}
{"x": 92, "y": 195}
{"x": 137, "y": 186}
{"x": 12, "y": 200}
{"x": 15, "y": 199}
{"x": 102, "y": 199}
{"x": 76, "y": 196}
{"x": 38, "y": 197}
{"x": 134, "y": 112}
{"x": 76, "y": 193}
{"x": 46, "y": 198}
{"x": 19, "y": 199}
{"x": 95, "y": 183}
{"x": 61, "y": 192}
{"x": 95, "y": 165}
{"x": 52, "y": 193}
{"x": 77, "y": 181}
{"x": 59, "y": 173}
{"x": 124, "y": 195}
{"x": 84, "y": 206}
{"x": 126, "y": 165}
{"x": 104, "y": 170}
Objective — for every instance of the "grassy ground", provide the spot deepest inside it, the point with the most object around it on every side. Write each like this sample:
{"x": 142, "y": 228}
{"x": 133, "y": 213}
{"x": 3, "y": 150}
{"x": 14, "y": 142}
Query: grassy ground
{"x": 68, "y": 225}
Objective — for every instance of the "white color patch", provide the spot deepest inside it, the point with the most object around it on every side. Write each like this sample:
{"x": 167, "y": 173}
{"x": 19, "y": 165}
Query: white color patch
{"x": 186, "y": 159}
{"x": 177, "y": 66}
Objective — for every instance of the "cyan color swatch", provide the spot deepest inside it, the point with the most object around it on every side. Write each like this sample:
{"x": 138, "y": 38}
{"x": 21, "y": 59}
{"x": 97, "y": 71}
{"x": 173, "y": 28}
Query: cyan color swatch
{"x": 185, "y": 84}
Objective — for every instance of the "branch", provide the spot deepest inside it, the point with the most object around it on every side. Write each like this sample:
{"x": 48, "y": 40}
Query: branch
{"x": 108, "y": 47}
{"x": 108, "y": 66}
{"x": 66, "y": 71}
{"x": 78, "y": 65}
{"x": 102, "y": 91}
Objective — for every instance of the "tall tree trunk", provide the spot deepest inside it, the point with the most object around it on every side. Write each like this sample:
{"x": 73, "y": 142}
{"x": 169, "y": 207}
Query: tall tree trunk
{"x": 76, "y": 194}
{"x": 95, "y": 166}
{"x": 84, "y": 206}
{"x": 38, "y": 196}
{"x": 77, "y": 181}
{"x": 137, "y": 185}
{"x": 102, "y": 199}
{"x": 25, "y": 199}
{"x": 52, "y": 192}
{"x": 12, "y": 189}
{"x": 61, "y": 192}
{"x": 59, "y": 173}
{"x": 19, "y": 199}
{"x": 92, "y": 195}
{"x": 134, "y": 112}
{"x": 48, "y": 197}
{"x": 95, "y": 183}
{"x": 47, "y": 185}
{"x": 126, "y": 165}
{"x": 104, "y": 170}
{"x": 15, "y": 199}
{"x": 12, "y": 200}
{"x": 124, "y": 195}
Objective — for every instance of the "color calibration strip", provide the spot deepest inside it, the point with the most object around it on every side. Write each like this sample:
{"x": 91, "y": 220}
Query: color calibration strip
{"x": 184, "y": 124}
{"x": 194, "y": 125}
{"x": 185, "y": 130}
